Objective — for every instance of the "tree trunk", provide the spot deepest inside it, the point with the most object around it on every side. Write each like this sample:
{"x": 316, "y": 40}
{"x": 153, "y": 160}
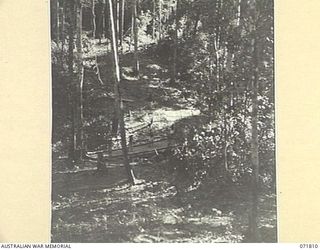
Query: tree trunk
{"x": 160, "y": 21}
{"x": 239, "y": 13}
{"x": 253, "y": 217}
{"x": 217, "y": 59}
{"x": 118, "y": 100}
{"x": 135, "y": 39}
{"x": 153, "y": 20}
{"x": 106, "y": 19}
{"x": 122, "y": 24}
{"x": 94, "y": 24}
{"x": 175, "y": 45}
{"x": 132, "y": 31}
{"x": 62, "y": 17}
{"x": 79, "y": 86}
{"x": 70, "y": 70}
{"x": 58, "y": 23}
{"x": 117, "y": 17}
{"x": 71, "y": 35}
{"x": 94, "y": 34}
{"x": 103, "y": 22}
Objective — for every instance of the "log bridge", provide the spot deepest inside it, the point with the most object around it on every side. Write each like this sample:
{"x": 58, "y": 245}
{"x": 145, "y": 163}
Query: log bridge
{"x": 140, "y": 149}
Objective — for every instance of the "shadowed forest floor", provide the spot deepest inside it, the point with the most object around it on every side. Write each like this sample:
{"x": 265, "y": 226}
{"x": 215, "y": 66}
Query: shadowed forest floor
{"x": 158, "y": 209}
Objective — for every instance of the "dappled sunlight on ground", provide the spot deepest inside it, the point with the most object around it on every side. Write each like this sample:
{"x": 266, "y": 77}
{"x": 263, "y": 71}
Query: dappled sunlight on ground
{"x": 152, "y": 211}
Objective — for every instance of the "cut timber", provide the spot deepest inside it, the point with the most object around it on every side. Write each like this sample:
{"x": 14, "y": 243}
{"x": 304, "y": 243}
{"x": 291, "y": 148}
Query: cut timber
{"x": 138, "y": 150}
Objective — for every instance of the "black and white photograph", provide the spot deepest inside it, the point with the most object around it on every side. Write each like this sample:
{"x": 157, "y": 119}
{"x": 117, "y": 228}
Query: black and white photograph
{"x": 163, "y": 121}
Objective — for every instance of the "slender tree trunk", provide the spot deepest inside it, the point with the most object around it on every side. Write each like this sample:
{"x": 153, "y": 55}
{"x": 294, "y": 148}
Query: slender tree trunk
{"x": 122, "y": 24}
{"x": 99, "y": 22}
{"x": 70, "y": 69}
{"x": 175, "y": 45}
{"x": 132, "y": 31}
{"x": 217, "y": 59}
{"x": 108, "y": 29}
{"x": 58, "y": 23}
{"x": 62, "y": 17}
{"x": 103, "y": 23}
{"x": 153, "y": 20}
{"x": 160, "y": 21}
{"x": 106, "y": 19}
{"x": 118, "y": 100}
{"x": 71, "y": 36}
{"x": 94, "y": 34}
{"x": 94, "y": 25}
{"x": 117, "y": 17}
{"x": 79, "y": 98}
{"x": 253, "y": 217}
{"x": 135, "y": 39}
{"x": 239, "y": 13}
{"x": 225, "y": 140}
